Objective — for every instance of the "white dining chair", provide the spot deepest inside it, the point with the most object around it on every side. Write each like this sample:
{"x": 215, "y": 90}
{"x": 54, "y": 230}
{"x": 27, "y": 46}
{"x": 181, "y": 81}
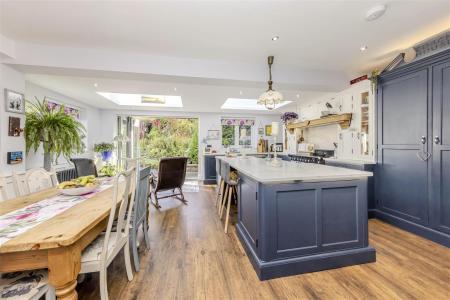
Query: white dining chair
{"x": 34, "y": 180}
{"x": 26, "y": 285}
{"x": 3, "y": 189}
{"x": 102, "y": 251}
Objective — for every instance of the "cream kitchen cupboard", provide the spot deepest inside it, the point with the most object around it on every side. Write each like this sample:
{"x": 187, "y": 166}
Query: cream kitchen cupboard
{"x": 358, "y": 141}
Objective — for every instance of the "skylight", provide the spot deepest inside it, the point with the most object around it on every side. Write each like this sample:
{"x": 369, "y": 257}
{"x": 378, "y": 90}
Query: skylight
{"x": 143, "y": 99}
{"x": 247, "y": 104}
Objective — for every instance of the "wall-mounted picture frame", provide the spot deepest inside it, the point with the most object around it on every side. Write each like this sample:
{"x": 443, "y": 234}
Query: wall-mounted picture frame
{"x": 14, "y": 157}
{"x": 268, "y": 130}
{"x": 14, "y": 102}
{"x": 260, "y": 131}
{"x": 14, "y": 126}
{"x": 213, "y": 135}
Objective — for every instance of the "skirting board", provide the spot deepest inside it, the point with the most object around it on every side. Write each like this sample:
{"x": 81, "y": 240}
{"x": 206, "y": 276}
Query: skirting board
{"x": 305, "y": 264}
{"x": 209, "y": 181}
{"x": 428, "y": 233}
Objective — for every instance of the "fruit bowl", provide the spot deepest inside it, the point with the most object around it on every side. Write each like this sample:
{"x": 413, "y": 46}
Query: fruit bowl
{"x": 78, "y": 191}
{"x": 79, "y": 186}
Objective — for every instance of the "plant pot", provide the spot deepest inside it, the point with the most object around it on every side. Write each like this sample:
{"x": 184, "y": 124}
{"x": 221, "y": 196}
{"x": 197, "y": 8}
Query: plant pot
{"x": 106, "y": 155}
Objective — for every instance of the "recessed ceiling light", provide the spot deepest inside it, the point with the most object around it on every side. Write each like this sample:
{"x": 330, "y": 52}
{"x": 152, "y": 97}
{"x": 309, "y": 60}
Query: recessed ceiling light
{"x": 298, "y": 95}
{"x": 275, "y": 38}
{"x": 95, "y": 84}
{"x": 375, "y": 12}
{"x": 247, "y": 104}
{"x": 240, "y": 92}
{"x": 363, "y": 48}
{"x": 175, "y": 89}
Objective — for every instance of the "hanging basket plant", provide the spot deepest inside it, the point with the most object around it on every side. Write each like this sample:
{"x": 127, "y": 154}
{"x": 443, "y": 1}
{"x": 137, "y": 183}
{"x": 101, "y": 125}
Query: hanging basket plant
{"x": 289, "y": 117}
{"x": 374, "y": 80}
{"x": 57, "y": 132}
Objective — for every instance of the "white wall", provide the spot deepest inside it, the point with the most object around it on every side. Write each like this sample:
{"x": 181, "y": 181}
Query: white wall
{"x": 89, "y": 116}
{"x": 13, "y": 80}
{"x": 207, "y": 121}
{"x": 322, "y": 137}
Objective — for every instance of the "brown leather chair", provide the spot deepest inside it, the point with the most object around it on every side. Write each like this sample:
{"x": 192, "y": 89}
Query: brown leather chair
{"x": 171, "y": 176}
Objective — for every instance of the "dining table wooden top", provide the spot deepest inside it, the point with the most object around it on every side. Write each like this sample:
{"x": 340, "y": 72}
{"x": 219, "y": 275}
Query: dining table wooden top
{"x": 57, "y": 243}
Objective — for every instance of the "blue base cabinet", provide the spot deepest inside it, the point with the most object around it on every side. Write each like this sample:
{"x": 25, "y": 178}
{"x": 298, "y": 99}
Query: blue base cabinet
{"x": 295, "y": 228}
{"x": 412, "y": 174}
{"x": 209, "y": 167}
{"x": 370, "y": 167}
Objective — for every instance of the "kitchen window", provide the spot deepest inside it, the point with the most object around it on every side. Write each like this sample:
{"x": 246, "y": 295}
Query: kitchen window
{"x": 237, "y": 132}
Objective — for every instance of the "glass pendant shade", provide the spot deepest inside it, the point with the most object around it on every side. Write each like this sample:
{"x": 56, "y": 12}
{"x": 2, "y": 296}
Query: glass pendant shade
{"x": 270, "y": 99}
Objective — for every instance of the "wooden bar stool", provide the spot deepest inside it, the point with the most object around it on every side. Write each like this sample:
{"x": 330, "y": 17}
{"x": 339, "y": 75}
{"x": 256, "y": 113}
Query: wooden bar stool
{"x": 221, "y": 187}
{"x": 231, "y": 180}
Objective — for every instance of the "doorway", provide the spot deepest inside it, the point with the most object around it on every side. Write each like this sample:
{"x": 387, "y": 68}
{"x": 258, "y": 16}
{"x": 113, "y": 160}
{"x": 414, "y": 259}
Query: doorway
{"x": 160, "y": 137}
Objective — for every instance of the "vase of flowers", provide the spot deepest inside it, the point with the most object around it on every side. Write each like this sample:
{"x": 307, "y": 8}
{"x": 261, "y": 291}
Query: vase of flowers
{"x": 289, "y": 117}
{"x": 105, "y": 149}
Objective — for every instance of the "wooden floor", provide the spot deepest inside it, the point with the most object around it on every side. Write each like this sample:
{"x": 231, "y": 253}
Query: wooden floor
{"x": 192, "y": 258}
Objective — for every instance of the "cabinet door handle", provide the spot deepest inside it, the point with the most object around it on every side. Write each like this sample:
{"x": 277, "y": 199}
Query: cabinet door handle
{"x": 423, "y": 139}
{"x": 437, "y": 140}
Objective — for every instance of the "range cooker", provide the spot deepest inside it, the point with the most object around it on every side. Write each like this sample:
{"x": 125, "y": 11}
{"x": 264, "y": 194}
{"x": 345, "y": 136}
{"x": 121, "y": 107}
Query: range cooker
{"x": 316, "y": 158}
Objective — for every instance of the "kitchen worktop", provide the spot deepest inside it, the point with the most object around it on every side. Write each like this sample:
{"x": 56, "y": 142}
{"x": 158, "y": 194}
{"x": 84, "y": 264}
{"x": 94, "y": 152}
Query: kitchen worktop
{"x": 240, "y": 153}
{"x": 262, "y": 171}
{"x": 349, "y": 161}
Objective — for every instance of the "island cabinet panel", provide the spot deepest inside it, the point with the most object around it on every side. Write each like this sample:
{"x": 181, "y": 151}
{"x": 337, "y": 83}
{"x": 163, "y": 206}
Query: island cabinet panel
{"x": 340, "y": 217}
{"x": 299, "y": 210}
{"x": 310, "y": 218}
{"x": 248, "y": 209}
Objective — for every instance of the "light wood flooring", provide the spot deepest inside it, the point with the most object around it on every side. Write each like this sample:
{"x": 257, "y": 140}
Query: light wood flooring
{"x": 192, "y": 258}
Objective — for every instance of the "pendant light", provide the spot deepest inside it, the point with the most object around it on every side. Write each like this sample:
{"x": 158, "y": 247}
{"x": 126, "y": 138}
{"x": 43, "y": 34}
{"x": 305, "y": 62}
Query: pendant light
{"x": 270, "y": 98}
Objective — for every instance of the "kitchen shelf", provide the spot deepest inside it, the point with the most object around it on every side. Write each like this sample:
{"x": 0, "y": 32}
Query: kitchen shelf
{"x": 343, "y": 120}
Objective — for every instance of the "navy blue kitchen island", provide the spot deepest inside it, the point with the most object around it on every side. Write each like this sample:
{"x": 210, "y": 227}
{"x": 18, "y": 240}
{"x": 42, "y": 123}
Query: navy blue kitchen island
{"x": 299, "y": 217}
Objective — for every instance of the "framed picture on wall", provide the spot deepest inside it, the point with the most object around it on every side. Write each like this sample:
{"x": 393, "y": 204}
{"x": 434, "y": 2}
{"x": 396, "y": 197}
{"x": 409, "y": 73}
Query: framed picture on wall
{"x": 268, "y": 130}
{"x": 14, "y": 102}
{"x": 14, "y": 126}
{"x": 14, "y": 157}
{"x": 213, "y": 135}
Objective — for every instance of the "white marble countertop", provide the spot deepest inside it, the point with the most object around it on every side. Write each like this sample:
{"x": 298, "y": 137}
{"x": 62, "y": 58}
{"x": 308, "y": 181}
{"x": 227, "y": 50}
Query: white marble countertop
{"x": 350, "y": 161}
{"x": 262, "y": 171}
{"x": 240, "y": 153}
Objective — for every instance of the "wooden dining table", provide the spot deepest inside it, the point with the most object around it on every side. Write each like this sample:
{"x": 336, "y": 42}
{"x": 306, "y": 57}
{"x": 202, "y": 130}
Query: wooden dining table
{"x": 57, "y": 243}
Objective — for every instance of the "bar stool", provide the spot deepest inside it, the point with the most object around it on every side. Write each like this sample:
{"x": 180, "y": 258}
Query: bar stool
{"x": 221, "y": 185}
{"x": 231, "y": 180}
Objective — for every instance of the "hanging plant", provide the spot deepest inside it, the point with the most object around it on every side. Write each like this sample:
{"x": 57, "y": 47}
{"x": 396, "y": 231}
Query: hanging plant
{"x": 374, "y": 79}
{"x": 57, "y": 132}
{"x": 289, "y": 117}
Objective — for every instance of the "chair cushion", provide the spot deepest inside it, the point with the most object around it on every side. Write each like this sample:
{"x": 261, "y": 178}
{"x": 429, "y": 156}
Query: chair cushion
{"x": 93, "y": 252}
{"x": 23, "y": 285}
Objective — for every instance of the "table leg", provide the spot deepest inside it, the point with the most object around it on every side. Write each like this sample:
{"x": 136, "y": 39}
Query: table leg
{"x": 64, "y": 266}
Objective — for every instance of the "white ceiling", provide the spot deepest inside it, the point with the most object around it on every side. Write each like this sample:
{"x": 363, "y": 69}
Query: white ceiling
{"x": 321, "y": 37}
{"x": 318, "y": 35}
{"x": 196, "y": 97}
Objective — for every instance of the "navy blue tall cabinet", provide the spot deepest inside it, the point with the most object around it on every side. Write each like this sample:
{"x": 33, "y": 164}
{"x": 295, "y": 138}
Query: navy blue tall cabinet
{"x": 412, "y": 177}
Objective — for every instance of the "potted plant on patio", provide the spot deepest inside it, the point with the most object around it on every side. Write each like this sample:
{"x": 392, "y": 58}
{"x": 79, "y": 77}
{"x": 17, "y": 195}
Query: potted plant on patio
{"x": 105, "y": 149}
{"x": 58, "y": 132}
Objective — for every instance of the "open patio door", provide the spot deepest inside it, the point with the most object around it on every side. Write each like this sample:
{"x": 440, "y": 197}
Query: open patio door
{"x": 127, "y": 139}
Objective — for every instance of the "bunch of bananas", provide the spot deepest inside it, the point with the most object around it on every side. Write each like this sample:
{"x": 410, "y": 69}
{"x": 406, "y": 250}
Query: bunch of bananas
{"x": 83, "y": 181}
